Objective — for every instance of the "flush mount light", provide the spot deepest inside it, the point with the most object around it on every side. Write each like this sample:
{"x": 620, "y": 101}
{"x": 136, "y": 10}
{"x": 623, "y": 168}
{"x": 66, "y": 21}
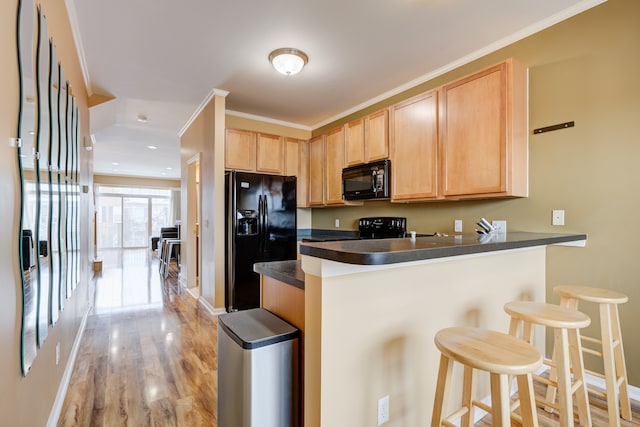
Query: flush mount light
{"x": 152, "y": 147}
{"x": 142, "y": 118}
{"x": 288, "y": 61}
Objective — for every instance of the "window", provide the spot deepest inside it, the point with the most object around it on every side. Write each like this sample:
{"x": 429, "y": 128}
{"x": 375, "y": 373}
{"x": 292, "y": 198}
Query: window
{"x": 128, "y": 216}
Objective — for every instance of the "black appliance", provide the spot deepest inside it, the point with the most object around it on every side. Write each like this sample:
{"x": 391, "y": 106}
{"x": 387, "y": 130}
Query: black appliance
{"x": 382, "y": 227}
{"x": 260, "y": 226}
{"x": 369, "y": 181}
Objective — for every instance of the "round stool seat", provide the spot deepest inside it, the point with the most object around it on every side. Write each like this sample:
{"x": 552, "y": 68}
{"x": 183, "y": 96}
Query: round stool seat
{"x": 489, "y": 351}
{"x": 587, "y": 293}
{"x": 550, "y": 315}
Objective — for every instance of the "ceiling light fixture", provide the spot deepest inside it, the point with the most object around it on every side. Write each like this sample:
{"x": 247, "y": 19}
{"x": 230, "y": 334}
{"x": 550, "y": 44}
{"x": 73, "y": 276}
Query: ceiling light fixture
{"x": 152, "y": 147}
{"x": 288, "y": 61}
{"x": 142, "y": 118}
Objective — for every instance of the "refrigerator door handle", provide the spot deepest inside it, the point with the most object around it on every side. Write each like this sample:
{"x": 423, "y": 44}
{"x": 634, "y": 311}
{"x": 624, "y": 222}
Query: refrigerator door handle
{"x": 266, "y": 216}
{"x": 261, "y": 214}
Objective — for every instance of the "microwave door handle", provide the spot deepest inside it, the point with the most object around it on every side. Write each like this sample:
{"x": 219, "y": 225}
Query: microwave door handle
{"x": 373, "y": 182}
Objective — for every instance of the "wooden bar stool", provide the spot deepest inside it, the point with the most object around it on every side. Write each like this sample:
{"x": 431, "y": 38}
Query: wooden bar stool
{"x": 615, "y": 370}
{"x": 499, "y": 354}
{"x": 566, "y": 323}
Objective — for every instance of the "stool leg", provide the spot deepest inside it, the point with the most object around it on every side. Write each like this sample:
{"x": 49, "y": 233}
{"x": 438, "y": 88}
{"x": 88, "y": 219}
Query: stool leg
{"x": 564, "y": 378}
{"x": 609, "y": 365}
{"x": 467, "y": 396}
{"x": 442, "y": 390}
{"x": 527, "y": 401}
{"x": 500, "y": 405}
{"x": 577, "y": 363}
{"x": 553, "y": 376}
{"x": 621, "y": 367}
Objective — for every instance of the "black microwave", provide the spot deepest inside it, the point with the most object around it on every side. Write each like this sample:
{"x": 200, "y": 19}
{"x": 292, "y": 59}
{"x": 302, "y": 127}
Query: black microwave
{"x": 368, "y": 181}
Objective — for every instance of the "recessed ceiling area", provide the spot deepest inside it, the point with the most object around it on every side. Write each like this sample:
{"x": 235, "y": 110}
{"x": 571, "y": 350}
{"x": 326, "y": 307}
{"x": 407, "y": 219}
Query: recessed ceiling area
{"x": 160, "y": 58}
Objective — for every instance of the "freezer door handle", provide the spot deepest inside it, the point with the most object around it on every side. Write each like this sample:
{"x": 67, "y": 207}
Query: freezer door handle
{"x": 266, "y": 215}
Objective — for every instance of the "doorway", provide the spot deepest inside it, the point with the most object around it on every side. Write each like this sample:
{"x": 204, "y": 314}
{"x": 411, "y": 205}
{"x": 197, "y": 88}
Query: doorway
{"x": 194, "y": 217}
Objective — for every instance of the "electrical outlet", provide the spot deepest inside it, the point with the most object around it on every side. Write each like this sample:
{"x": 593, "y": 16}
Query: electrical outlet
{"x": 57, "y": 353}
{"x": 557, "y": 217}
{"x": 337, "y": 222}
{"x": 499, "y": 225}
{"x": 383, "y": 410}
{"x": 457, "y": 226}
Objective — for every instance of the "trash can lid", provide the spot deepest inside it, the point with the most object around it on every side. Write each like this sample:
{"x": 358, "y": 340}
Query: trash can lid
{"x": 256, "y": 328}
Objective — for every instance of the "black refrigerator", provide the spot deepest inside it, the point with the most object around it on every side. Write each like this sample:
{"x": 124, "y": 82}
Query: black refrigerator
{"x": 260, "y": 226}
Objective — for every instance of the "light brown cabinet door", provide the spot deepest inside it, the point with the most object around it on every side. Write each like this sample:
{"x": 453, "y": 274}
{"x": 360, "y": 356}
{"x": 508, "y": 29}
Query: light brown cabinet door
{"x": 367, "y": 139}
{"x": 316, "y": 171}
{"x": 483, "y": 133}
{"x": 270, "y": 154}
{"x": 354, "y": 143}
{"x": 377, "y": 136}
{"x": 296, "y": 164}
{"x": 240, "y": 150}
{"x": 413, "y": 137}
{"x": 334, "y": 163}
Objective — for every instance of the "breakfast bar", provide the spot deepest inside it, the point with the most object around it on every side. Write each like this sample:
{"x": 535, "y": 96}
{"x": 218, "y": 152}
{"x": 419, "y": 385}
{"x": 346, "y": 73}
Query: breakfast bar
{"x": 373, "y": 307}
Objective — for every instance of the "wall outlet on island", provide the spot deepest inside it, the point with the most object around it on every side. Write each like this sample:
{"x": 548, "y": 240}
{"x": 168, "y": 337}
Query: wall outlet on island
{"x": 500, "y": 225}
{"x": 383, "y": 410}
{"x": 557, "y": 217}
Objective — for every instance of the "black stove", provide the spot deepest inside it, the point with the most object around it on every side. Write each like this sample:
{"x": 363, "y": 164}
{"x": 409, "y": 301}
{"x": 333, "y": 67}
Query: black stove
{"x": 384, "y": 227}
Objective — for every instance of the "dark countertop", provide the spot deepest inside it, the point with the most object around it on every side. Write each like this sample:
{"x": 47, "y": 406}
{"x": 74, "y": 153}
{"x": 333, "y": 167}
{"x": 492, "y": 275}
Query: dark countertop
{"x": 326, "y": 235}
{"x": 285, "y": 271}
{"x": 391, "y": 251}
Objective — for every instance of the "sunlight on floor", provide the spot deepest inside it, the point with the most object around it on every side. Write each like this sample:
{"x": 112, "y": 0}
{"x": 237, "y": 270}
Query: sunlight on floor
{"x": 129, "y": 280}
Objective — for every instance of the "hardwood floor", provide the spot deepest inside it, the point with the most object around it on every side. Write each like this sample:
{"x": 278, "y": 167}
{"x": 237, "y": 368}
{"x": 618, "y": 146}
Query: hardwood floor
{"x": 597, "y": 407}
{"x": 148, "y": 355}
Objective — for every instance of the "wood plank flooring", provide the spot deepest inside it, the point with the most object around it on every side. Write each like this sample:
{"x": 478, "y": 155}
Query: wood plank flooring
{"x": 148, "y": 355}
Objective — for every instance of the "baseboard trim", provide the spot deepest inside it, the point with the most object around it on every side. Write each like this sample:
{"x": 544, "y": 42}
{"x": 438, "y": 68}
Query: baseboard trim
{"x": 210, "y": 308}
{"x": 54, "y": 415}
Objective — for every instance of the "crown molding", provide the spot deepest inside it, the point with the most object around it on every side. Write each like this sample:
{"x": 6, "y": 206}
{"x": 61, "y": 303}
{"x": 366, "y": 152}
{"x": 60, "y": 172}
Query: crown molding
{"x": 214, "y": 92}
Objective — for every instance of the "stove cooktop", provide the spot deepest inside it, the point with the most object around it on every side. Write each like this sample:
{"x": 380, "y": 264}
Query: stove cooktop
{"x": 382, "y": 227}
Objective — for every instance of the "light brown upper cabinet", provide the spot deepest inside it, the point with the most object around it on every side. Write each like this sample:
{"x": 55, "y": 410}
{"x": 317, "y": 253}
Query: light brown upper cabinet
{"x": 483, "y": 133}
{"x": 315, "y": 196}
{"x": 413, "y": 140}
{"x": 270, "y": 154}
{"x": 367, "y": 139}
{"x": 296, "y": 163}
{"x": 254, "y": 152}
{"x": 334, "y": 163}
{"x": 240, "y": 150}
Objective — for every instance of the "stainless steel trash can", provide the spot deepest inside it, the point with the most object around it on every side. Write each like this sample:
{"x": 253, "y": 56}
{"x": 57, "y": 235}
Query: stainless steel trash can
{"x": 258, "y": 370}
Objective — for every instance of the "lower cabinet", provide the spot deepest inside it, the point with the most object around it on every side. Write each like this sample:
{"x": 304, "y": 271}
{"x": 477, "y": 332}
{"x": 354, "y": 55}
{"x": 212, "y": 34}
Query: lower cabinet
{"x": 287, "y": 302}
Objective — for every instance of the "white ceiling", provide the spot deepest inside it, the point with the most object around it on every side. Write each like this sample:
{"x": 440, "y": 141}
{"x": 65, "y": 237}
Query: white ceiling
{"x": 161, "y": 58}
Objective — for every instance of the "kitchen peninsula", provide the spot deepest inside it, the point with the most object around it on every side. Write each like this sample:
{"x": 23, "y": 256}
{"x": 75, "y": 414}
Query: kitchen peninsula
{"x": 372, "y": 307}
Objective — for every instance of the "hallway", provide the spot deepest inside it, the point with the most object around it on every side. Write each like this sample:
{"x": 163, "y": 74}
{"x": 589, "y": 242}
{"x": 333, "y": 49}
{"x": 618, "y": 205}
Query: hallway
{"x": 148, "y": 353}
